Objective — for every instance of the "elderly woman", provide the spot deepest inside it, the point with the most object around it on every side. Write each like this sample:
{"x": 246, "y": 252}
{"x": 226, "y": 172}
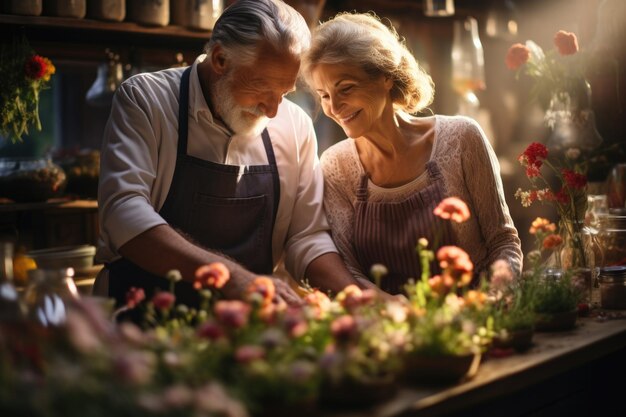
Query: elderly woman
{"x": 383, "y": 182}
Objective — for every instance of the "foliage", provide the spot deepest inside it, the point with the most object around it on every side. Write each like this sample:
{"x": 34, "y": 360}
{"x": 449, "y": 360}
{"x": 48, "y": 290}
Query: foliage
{"x": 568, "y": 196}
{"x": 24, "y": 75}
{"x": 446, "y": 316}
{"x": 548, "y": 290}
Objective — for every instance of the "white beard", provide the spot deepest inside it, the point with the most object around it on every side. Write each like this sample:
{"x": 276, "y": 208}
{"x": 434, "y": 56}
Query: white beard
{"x": 244, "y": 121}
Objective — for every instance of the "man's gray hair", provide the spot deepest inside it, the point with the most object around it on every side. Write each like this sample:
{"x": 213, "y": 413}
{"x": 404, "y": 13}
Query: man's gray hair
{"x": 247, "y": 24}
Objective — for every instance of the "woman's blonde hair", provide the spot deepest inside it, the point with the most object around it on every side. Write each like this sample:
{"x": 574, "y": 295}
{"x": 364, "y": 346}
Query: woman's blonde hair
{"x": 361, "y": 39}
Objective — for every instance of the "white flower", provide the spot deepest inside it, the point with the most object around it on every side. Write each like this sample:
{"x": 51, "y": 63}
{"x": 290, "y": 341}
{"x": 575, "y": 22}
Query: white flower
{"x": 572, "y": 153}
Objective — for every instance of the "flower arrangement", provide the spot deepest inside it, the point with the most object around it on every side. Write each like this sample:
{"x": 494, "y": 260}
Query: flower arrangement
{"x": 549, "y": 290}
{"x": 447, "y": 317}
{"x": 563, "y": 185}
{"x": 24, "y": 75}
{"x": 558, "y": 71}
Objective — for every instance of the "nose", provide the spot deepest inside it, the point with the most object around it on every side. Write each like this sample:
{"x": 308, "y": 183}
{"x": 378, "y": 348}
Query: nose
{"x": 269, "y": 106}
{"x": 334, "y": 104}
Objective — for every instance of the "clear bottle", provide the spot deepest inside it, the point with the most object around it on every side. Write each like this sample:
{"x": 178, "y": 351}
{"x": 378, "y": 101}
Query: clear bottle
{"x": 10, "y": 305}
{"x": 48, "y": 293}
{"x": 612, "y": 239}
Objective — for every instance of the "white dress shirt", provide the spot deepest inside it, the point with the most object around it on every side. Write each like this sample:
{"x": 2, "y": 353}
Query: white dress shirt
{"x": 139, "y": 155}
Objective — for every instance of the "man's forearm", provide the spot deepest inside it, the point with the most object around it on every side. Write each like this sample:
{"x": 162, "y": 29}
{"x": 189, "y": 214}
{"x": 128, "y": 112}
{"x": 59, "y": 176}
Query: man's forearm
{"x": 328, "y": 273}
{"x": 161, "y": 249}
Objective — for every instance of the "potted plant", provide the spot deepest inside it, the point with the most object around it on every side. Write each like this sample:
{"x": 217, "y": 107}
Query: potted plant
{"x": 450, "y": 325}
{"x": 554, "y": 295}
{"x": 513, "y": 315}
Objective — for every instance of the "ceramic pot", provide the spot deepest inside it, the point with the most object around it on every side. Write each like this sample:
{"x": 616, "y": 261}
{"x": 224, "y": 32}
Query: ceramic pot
{"x": 519, "y": 340}
{"x": 440, "y": 369}
{"x": 350, "y": 393}
{"x": 556, "y": 322}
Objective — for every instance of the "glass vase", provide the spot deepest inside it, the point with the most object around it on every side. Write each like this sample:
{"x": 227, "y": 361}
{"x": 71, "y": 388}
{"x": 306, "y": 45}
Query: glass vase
{"x": 578, "y": 256}
{"x": 571, "y": 119}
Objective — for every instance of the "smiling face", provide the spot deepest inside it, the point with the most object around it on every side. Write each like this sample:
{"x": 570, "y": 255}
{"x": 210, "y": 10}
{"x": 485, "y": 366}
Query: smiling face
{"x": 246, "y": 97}
{"x": 352, "y": 98}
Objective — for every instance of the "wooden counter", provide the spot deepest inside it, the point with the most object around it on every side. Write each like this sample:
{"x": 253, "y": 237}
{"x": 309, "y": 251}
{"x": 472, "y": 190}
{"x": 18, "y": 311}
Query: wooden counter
{"x": 564, "y": 373}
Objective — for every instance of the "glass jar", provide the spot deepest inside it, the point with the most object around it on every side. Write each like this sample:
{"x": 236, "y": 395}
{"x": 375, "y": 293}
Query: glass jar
{"x": 65, "y": 8}
{"x": 23, "y": 7}
{"x": 612, "y": 240}
{"x": 149, "y": 12}
{"x": 114, "y": 10}
{"x": 28, "y": 180}
{"x": 195, "y": 14}
{"x": 10, "y": 306}
{"x": 48, "y": 293}
{"x": 613, "y": 287}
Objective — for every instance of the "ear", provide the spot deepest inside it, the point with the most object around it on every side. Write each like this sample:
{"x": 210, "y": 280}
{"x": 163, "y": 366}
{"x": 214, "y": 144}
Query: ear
{"x": 388, "y": 83}
{"x": 218, "y": 60}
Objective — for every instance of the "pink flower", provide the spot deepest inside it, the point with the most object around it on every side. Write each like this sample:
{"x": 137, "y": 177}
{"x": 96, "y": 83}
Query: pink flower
{"x": 452, "y": 208}
{"x": 163, "y": 300}
{"x": 517, "y": 56}
{"x": 344, "y": 328}
{"x": 566, "y": 42}
{"x": 501, "y": 274}
{"x": 249, "y": 353}
{"x": 264, "y": 287}
{"x": 135, "y": 296}
{"x": 441, "y": 285}
{"x": 233, "y": 313}
{"x": 213, "y": 275}
{"x": 210, "y": 330}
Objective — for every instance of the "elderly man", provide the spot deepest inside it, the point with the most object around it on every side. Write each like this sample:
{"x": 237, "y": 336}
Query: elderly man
{"x": 210, "y": 163}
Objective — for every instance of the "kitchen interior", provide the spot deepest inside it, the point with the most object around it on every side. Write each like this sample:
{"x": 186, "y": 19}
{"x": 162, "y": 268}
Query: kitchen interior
{"x": 49, "y": 178}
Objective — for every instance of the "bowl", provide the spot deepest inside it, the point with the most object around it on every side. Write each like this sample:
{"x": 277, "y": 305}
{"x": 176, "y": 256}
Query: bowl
{"x": 77, "y": 257}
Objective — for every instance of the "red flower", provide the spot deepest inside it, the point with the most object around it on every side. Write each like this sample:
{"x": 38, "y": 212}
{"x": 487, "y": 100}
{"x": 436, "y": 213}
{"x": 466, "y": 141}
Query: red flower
{"x": 163, "y": 300}
{"x": 562, "y": 196}
{"x": 134, "y": 296}
{"x": 532, "y": 171}
{"x": 533, "y": 155}
{"x": 36, "y": 67}
{"x": 452, "y": 208}
{"x": 573, "y": 179}
{"x": 213, "y": 275}
{"x": 552, "y": 241}
{"x": 456, "y": 264}
{"x": 566, "y": 42}
{"x": 517, "y": 56}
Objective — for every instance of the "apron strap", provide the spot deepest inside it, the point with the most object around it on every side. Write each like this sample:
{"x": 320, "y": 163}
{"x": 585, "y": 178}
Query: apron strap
{"x": 361, "y": 192}
{"x": 183, "y": 112}
{"x": 271, "y": 159}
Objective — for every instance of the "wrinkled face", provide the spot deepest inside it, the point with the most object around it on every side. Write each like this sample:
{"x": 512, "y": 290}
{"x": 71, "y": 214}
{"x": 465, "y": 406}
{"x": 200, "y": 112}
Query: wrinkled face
{"x": 351, "y": 97}
{"x": 246, "y": 97}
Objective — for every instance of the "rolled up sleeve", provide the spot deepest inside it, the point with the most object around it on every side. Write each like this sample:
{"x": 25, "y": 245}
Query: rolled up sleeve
{"x": 308, "y": 233}
{"x": 127, "y": 174}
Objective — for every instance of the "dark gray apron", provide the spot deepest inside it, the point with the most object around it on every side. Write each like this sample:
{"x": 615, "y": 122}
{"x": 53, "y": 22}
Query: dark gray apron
{"x": 226, "y": 208}
{"x": 387, "y": 232}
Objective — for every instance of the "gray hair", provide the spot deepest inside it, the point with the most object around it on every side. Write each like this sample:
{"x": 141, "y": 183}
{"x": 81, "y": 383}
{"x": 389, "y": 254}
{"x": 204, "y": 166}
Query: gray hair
{"x": 247, "y": 24}
{"x": 361, "y": 39}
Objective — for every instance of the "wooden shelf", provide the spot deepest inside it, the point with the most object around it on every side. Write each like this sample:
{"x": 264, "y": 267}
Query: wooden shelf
{"x": 91, "y": 26}
{"x": 86, "y": 39}
{"x": 54, "y": 203}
